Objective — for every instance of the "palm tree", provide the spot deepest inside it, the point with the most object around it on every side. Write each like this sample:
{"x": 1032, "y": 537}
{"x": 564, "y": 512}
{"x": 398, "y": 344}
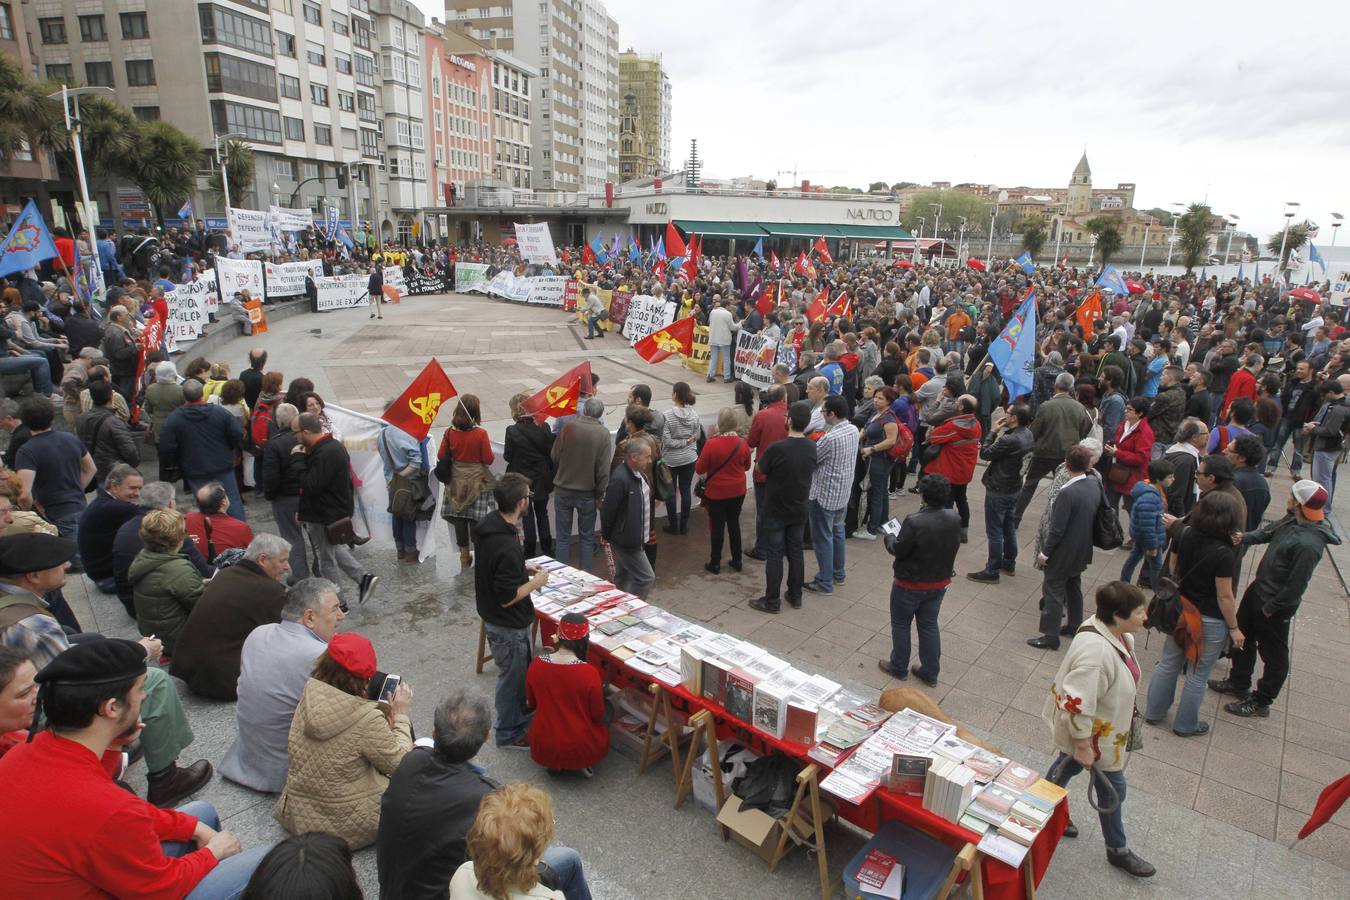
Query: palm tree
{"x": 28, "y": 119}
{"x": 108, "y": 133}
{"x": 1109, "y": 240}
{"x": 1193, "y": 230}
{"x": 1033, "y": 234}
{"x": 1298, "y": 236}
{"x": 163, "y": 164}
{"x": 239, "y": 161}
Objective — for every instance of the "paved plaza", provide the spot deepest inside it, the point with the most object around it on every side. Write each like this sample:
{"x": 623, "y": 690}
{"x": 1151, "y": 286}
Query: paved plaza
{"x": 1216, "y": 814}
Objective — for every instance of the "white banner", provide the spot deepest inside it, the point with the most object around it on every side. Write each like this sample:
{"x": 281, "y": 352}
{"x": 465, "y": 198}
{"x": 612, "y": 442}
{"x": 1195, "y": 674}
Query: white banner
{"x": 286, "y": 219}
{"x": 239, "y": 275}
{"x": 341, "y": 292}
{"x": 755, "y": 355}
{"x": 1340, "y": 287}
{"x": 470, "y": 276}
{"x": 506, "y": 284}
{"x": 288, "y": 279}
{"x": 535, "y": 243}
{"x": 249, "y": 229}
{"x": 547, "y": 290}
{"x": 645, "y": 315}
{"x": 187, "y": 309}
{"x": 393, "y": 276}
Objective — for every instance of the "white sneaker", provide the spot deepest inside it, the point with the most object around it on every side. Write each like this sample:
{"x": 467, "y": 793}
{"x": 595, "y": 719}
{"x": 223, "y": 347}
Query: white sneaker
{"x": 863, "y": 534}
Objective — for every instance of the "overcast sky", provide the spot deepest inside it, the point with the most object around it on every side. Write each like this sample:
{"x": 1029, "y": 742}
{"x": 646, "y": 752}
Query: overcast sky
{"x": 1246, "y": 104}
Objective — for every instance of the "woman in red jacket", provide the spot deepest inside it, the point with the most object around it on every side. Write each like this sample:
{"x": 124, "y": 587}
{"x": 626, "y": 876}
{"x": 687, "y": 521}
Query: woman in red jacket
{"x": 725, "y": 460}
{"x": 468, "y": 496}
{"x": 1129, "y": 454}
{"x": 958, "y": 443}
{"x": 568, "y": 733}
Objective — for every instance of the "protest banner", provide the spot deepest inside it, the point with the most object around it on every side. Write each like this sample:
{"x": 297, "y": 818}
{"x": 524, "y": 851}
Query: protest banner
{"x": 330, "y": 223}
{"x": 535, "y": 243}
{"x": 754, "y": 359}
{"x": 238, "y": 275}
{"x": 288, "y": 279}
{"x": 787, "y": 355}
{"x": 546, "y": 290}
{"x": 393, "y": 276}
{"x": 570, "y": 295}
{"x": 697, "y": 361}
{"x": 287, "y": 219}
{"x": 340, "y": 292}
{"x": 250, "y": 229}
{"x": 505, "y": 284}
{"x": 645, "y": 315}
{"x": 470, "y": 276}
{"x": 418, "y": 283}
{"x": 618, "y": 308}
{"x": 1340, "y": 288}
{"x": 187, "y": 310}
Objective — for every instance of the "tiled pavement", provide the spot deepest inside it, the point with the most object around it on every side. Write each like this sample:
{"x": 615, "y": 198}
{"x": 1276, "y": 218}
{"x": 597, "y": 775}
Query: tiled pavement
{"x": 1216, "y": 813}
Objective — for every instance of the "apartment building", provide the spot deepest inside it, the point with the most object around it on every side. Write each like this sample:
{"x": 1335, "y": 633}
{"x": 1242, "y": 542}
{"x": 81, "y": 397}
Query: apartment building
{"x": 30, "y": 173}
{"x": 644, "y": 108}
{"x": 459, "y": 126}
{"x": 399, "y": 27}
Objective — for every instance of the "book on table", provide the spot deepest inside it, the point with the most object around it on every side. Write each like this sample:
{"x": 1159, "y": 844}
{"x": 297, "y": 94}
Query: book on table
{"x": 691, "y": 668}
{"x": 1017, "y": 776}
{"x": 908, "y": 773}
{"x": 800, "y": 724}
{"x": 715, "y": 671}
{"x": 767, "y": 666}
{"x": 770, "y": 707}
{"x": 881, "y": 874}
{"x": 1020, "y": 826}
{"x": 987, "y": 764}
{"x": 953, "y": 747}
{"x": 740, "y": 693}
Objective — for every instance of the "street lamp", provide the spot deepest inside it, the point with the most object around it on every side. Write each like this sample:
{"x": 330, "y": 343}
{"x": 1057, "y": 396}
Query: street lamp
{"x": 1092, "y": 249}
{"x": 1289, "y": 207}
{"x": 914, "y": 257}
{"x": 937, "y": 216}
{"x": 960, "y": 238}
{"x": 993, "y": 214}
{"x": 1335, "y": 224}
{"x": 224, "y": 171}
{"x": 70, "y": 97}
{"x": 1172, "y": 238}
{"x": 1147, "y": 228}
{"x": 1059, "y": 233}
{"x": 1232, "y": 229}
{"x": 351, "y": 190}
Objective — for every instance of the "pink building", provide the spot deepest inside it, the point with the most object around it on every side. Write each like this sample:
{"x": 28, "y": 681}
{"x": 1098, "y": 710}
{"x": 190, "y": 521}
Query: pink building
{"x": 459, "y": 122}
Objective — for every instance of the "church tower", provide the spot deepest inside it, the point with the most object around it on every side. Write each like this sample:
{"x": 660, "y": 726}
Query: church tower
{"x": 1080, "y": 189}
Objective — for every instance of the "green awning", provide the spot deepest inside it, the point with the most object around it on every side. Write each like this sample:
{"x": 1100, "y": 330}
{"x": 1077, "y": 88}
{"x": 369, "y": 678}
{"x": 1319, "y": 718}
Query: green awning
{"x": 799, "y": 229}
{"x": 873, "y": 232}
{"x": 720, "y": 229}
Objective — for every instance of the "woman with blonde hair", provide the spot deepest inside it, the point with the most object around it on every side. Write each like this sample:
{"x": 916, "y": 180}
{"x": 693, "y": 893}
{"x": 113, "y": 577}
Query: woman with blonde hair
{"x": 513, "y": 828}
{"x": 164, "y": 584}
{"x": 468, "y": 496}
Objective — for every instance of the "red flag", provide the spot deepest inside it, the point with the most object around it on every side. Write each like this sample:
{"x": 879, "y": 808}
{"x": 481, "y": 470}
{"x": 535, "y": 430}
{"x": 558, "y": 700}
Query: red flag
{"x": 1065, "y": 261}
{"x": 773, "y": 260}
{"x": 677, "y": 337}
{"x": 695, "y": 247}
{"x": 415, "y": 409}
{"x": 674, "y": 243}
{"x": 1089, "y": 311}
{"x": 690, "y": 268}
{"x": 1331, "y": 799}
{"x": 804, "y": 266}
{"x": 560, "y": 401}
{"x": 588, "y": 255}
{"x": 659, "y": 268}
{"x": 541, "y": 403}
{"x": 766, "y": 300}
{"x": 566, "y": 256}
{"x": 841, "y": 306}
{"x": 815, "y": 310}
{"x": 824, "y": 250}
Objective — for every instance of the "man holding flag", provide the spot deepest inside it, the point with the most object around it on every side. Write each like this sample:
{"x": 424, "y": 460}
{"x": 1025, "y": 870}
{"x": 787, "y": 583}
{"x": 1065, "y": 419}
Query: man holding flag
{"x": 405, "y": 452}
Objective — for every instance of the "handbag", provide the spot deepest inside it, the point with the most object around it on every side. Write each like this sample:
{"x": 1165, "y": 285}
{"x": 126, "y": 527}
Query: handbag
{"x": 663, "y": 481}
{"x": 343, "y": 531}
{"x": 1106, "y": 532}
{"x": 1118, "y": 473}
{"x": 1164, "y": 609}
{"x": 702, "y": 486}
{"x": 407, "y": 495}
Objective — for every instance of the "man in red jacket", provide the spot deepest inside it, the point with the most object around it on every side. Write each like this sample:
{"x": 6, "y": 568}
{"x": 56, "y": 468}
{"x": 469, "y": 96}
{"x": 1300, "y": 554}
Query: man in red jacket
{"x": 69, "y": 831}
{"x": 1242, "y": 384}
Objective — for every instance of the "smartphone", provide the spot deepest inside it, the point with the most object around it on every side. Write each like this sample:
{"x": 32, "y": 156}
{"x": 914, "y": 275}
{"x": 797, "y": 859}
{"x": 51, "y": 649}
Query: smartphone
{"x": 389, "y": 688}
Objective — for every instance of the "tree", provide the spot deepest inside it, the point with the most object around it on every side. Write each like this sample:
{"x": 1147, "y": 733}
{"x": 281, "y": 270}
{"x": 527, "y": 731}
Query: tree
{"x": 1161, "y": 216}
{"x": 239, "y": 163}
{"x": 844, "y": 189}
{"x": 902, "y": 185}
{"x": 163, "y": 164}
{"x": 953, "y": 203}
{"x": 1033, "y": 234}
{"x": 29, "y": 121}
{"x": 771, "y": 185}
{"x": 1298, "y": 236}
{"x": 1193, "y": 230}
{"x": 877, "y": 187}
{"x": 1107, "y": 231}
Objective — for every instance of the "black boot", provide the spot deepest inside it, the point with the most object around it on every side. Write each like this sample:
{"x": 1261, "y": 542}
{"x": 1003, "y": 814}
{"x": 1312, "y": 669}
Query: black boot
{"x": 684, "y": 522}
{"x": 1124, "y": 858}
{"x": 169, "y": 787}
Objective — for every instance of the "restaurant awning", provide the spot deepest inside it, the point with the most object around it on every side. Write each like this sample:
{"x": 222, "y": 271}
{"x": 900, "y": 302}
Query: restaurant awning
{"x": 720, "y": 229}
{"x": 800, "y": 230}
{"x": 873, "y": 232}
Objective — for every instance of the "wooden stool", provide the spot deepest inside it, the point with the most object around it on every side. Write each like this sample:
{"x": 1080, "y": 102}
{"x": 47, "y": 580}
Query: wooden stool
{"x": 805, "y": 825}
{"x": 701, "y": 723}
{"x": 484, "y": 655}
{"x": 667, "y": 742}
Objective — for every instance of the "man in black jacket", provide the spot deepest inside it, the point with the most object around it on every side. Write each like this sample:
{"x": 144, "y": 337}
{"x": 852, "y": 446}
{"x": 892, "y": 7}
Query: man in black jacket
{"x": 199, "y": 441}
{"x": 1005, "y": 449}
{"x": 787, "y": 466}
{"x": 502, "y": 585}
{"x": 106, "y": 435}
{"x": 326, "y": 497}
{"x": 626, "y": 519}
{"x": 1299, "y": 402}
{"x": 1067, "y": 550}
{"x": 112, "y": 506}
{"x": 925, "y": 552}
{"x": 375, "y": 288}
{"x": 280, "y": 483}
{"x": 252, "y": 377}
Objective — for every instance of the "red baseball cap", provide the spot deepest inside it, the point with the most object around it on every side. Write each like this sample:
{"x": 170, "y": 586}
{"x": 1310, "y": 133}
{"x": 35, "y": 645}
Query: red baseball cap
{"x": 354, "y": 653}
{"x": 1312, "y": 497}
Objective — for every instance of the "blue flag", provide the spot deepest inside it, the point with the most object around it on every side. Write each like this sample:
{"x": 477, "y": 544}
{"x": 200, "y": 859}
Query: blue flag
{"x": 616, "y": 247}
{"x": 185, "y": 211}
{"x": 598, "y": 248}
{"x": 1014, "y": 351}
{"x": 1239, "y": 271}
{"x": 759, "y": 248}
{"x": 1315, "y": 257}
{"x": 1204, "y": 270}
{"x": 29, "y": 242}
{"x": 1113, "y": 282}
{"x": 1025, "y": 262}
{"x": 660, "y": 250}
{"x": 83, "y": 285}
{"x": 634, "y": 252}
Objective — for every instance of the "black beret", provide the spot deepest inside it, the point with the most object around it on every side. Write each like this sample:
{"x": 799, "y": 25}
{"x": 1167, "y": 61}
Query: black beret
{"x": 33, "y": 552}
{"x": 100, "y": 661}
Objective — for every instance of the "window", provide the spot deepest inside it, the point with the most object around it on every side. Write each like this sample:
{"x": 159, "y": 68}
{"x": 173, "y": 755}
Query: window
{"x": 360, "y": 32}
{"x": 134, "y": 25}
{"x": 295, "y": 128}
{"x": 313, "y": 15}
{"x": 232, "y": 75}
{"x": 283, "y": 6}
{"x": 419, "y": 169}
{"x": 349, "y": 138}
{"x": 141, "y": 72}
{"x": 436, "y": 86}
{"x": 99, "y": 73}
{"x": 366, "y": 104}
{"x": 339, "y": 23}
{"x": 289, "y": 87}
{"x": 6, "y": 23}
{"x": 53, "y": 30}
{"x": 286, "y": 44}
{"x": 315, "y": 53}
{"x": 414, "y": 72}
{"x": 396, "y": 32}
{"x": 361, "y": 5}
{"x": 59, "y": 72}
{"x": 222, "y": 26}
{"x": 343, "y": 62}
{"x": 365, "y": 70}
{"x": 262, "y": 125}
{"x": 146, "y": 113}
{"x": 370, "y": 142}
{"x": 346, "y": 101}
{"x": 309, "y": 170}
{"x": 323, "y": 135}
{"x": 438, "y": 120}
{"x": 318, "y": 94}
{"x": 92, "y": 28}
{"x": 283, "y": 168}
{"x": 402, "y": 133}
{"x": 417, "y": 138}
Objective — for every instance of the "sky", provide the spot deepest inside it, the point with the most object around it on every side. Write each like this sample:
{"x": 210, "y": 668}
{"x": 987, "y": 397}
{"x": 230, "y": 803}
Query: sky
{"x": 1242, "y": 105}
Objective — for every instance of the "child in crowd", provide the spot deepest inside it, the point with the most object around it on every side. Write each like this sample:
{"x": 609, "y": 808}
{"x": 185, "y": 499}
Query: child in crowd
{"x": 1146, "y": 522}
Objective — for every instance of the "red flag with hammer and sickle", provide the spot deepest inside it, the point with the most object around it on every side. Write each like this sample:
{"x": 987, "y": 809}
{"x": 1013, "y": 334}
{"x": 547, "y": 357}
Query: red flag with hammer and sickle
{"x": 415, "y": 409}
{"x": 553, "y": 400}
{"x": 677, "y": 337}
{"x": 1089, "y": 312}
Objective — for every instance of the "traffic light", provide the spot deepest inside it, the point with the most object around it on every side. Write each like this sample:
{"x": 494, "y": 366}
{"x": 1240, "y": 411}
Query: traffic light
{"x": 342, "y": 178}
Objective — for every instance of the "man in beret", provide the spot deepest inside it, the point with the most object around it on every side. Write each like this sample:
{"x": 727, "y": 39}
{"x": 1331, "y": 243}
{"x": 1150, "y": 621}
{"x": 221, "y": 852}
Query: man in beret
{"x": 30, "y": 566}
{"x": 70, "y": 830}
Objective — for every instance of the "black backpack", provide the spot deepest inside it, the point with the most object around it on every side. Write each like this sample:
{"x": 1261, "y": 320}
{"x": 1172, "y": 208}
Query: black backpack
{"x": 1106, "y": 531}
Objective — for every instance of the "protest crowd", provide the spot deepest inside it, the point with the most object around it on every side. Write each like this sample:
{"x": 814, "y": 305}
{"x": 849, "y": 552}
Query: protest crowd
{"x": 1151, "y": 412}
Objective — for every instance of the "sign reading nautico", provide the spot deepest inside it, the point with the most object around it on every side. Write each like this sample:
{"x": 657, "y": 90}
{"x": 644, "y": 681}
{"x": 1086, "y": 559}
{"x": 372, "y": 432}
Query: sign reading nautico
{"x": 873, "y": 215}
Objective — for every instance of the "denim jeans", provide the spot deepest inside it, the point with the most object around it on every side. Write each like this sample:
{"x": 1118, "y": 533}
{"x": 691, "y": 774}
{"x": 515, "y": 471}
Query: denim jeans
{"x": 288, "y": 526}
{"x": 1000, "y": 530}
{"x": 566, "y": 864}
{"x": 1113, "y": 823}
{"x": 922, "y": 607}
{"x": 227, "y": 481}
{"x": 1151, "y": 565}
{"x": 36, "y": 366}
{"x": 1162, "y": 685}
{"x": 564, "y": 505}
{"x": 1324, "y": 471}
{"x": 1283, "y": 433}
{"x": 1037, "y": 469}
{"x": 229, "y": 877}
{"x": 878, "y": 494}
{"x": 718, "y": 354}
{"x": 827, "y": 540}
{"x": 593, "y": 328}
{"x": 511, "y": 652}
{"x": 405, "y": 534}
{"x": 780, "y": 539}
{"x": 761, "y": 497}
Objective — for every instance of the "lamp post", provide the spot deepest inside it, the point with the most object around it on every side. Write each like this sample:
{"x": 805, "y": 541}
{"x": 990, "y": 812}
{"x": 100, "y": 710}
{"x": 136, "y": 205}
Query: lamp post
{"x": 993, "y": 214}
{"x": 70, "y": 97}
{"x": 914, "y": 257}
{"x": 937, "y": 217}
{"x": 1059, "y": 233}
{"x": 960, "y": 239}
{"x": 1147, "y": 228}
{"x": 1092, "y": 249}
{"x": 224, "y": 171}
{"x": 1172, "y": 238}
{"x": 1232, "y": 229}
{"x": 1289, "y": 207}
{"x": 1335, "y": 226}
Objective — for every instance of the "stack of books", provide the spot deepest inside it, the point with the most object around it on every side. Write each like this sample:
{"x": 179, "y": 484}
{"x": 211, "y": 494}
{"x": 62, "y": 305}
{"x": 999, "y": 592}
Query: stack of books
{"x": 948, "y": 788}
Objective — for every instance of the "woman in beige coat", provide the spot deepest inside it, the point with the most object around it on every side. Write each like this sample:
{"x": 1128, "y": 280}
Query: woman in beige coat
{"x": 1091, "y": 707}
{"x": 343, "y": 747}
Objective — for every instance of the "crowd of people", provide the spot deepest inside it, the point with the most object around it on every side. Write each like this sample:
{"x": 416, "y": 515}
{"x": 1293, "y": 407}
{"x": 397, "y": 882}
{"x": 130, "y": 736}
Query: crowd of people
{"x": 1178, "y": 405}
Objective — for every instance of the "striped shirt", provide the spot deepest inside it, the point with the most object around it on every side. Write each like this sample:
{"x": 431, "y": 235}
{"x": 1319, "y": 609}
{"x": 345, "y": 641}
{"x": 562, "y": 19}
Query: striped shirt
{"x": 836, "y": 455}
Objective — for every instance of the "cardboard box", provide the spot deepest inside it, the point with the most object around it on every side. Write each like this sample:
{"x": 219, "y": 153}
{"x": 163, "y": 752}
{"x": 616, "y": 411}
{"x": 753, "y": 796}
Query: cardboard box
{"x": 751, "y": 828}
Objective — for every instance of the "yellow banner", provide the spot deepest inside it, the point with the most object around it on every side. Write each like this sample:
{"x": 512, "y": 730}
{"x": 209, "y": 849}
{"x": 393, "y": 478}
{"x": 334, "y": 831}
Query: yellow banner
{"x": 697, "y": 361}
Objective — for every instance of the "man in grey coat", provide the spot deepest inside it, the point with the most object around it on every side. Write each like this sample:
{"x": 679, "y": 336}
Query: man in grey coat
{"x": 581, "y": 456}
{"x": 1060, "y": 423}
{"x": 1067, "y": 550}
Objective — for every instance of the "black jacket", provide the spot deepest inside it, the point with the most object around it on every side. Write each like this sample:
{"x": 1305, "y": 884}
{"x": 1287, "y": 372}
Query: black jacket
{"x": 527, "y": 452}
{"x": 282, "y": 470}
{"x": 252, "y": 381}
{"x": 108, "y": 439}
{"x": 1329, "y": 435}
{"x": 925, "y": 551}
{"x": 81, "y": 332}
{"x": 1181, "y": 492}
{"x": 200, "y": 439}
{"x": 376, "y": 282}
{"x": 621, "y": 515}
{"x": 326, "y": 483}
{"x": 425, "y": 816}
{"x": 1005, "y": 453}
{"x": 98, "y": 528}
{"x": 498, "y": 572}
{"x": 1301, "y": 409}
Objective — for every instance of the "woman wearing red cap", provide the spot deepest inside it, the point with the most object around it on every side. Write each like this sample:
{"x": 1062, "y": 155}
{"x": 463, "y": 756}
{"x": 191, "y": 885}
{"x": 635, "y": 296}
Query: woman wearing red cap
{"x": 343, "y": 747}
{"x": 568, "y": 732}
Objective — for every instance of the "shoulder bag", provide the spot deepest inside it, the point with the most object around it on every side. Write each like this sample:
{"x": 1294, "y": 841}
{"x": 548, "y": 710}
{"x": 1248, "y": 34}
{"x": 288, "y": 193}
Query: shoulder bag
{"x": 1106, "y": 532}
{"x": 1164, "y": 610}
{"x": 407, "y": 495}
{"x": 701, "y": 487}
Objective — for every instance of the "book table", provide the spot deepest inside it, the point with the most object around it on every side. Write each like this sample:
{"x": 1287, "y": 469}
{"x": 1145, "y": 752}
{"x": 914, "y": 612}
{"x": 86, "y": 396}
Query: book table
{"x": 990, "y": 878}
